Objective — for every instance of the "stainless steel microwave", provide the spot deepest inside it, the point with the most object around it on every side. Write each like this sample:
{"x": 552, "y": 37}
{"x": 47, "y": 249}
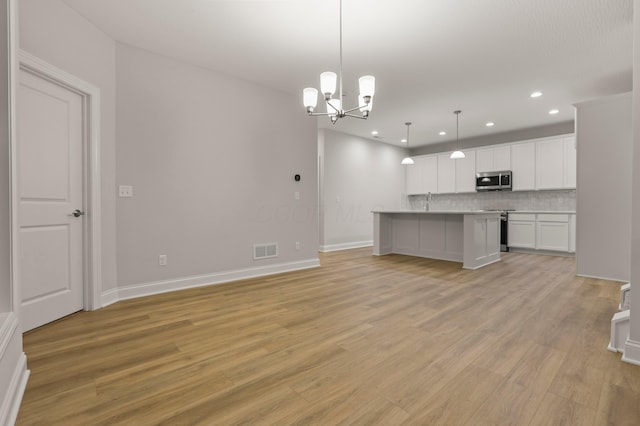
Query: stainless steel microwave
{"x": 494, "y": 181}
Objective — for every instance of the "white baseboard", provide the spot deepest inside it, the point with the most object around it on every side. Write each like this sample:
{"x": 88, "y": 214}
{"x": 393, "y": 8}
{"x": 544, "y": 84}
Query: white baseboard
{"x": 13, "y": 369}
{"x": 631, "y": 352}
{"x": 157, "y": 287}
{"x": 109, "y": 297}
{"x": 596, "y": 277}
{"x": 346, "y": 246}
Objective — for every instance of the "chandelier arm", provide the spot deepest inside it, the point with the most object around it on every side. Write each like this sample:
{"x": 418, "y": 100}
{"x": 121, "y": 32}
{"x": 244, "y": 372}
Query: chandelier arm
{"x": 352, "y": 109}
{"x": 334, "y": 108}
{"x": 355, "y": 116}
{"x": 320, "y": 113}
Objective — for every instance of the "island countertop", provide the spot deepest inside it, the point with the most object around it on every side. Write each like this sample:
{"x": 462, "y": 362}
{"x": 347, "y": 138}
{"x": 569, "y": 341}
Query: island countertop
{"x": 464, "y": 212}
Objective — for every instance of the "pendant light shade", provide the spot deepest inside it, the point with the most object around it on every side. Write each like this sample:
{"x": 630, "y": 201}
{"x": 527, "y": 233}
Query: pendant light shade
{"x": 407, "y": 160}
{"x": 457, "y": 154}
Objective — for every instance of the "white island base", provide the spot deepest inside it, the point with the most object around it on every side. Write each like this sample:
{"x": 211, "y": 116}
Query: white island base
{"x": 472, "y": 238}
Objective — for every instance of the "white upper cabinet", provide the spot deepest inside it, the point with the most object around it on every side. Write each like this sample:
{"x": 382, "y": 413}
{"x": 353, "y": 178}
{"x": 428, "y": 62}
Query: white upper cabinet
{"x": 523, "y": 166}
{"x": 446, "y": 174}
{"x": 493, "y": 159}
{"x": 414, "y": 176}
{"x": 550, "y": 164}
{"x": 466, "y": 172}
{"x": 422, "y": 175}
{"x": 570, "y": 161}
{"x": 430, "y": 174}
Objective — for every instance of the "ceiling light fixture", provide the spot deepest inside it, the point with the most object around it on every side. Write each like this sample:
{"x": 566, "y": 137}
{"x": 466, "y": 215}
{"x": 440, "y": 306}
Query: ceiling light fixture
{"x": 407, "y": 160}
{"x": 490, "y": 124}
{"x": 457, "y": 154}
{"x": 442, "y": 133}
{"x": 328, "y": 88}
{"x": 554, "y": 111}
{"x": 374, "y": 133}
{"x": 536, "y": 94}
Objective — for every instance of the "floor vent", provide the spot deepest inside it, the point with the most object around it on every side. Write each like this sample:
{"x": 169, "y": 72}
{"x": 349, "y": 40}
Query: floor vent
{"x": 264, "y": 251}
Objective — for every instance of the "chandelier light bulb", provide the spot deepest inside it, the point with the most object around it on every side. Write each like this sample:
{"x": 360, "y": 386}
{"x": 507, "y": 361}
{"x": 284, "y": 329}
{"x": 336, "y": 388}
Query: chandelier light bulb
{"x": 328, "y": 84}
{"x": 367, "y": 86}
{"x": 310, "y": 98}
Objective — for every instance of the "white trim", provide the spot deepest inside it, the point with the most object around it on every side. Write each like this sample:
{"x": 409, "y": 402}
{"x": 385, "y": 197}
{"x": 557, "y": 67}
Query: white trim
{"x": 13, "y": 144}
{"x": 157, "y": 287}
{"x": 631, "y": 352}
{"x": 619, "y": 331}
{"x": 595, "y": 277}
{"x": 11, "y": 356}
{"x": 92, "y": 227}
{"x": 346, "y": 246}
{"x": 109, "y": 297}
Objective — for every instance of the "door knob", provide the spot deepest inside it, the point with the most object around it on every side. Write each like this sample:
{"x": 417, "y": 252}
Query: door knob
{"x": 77, "y": 213}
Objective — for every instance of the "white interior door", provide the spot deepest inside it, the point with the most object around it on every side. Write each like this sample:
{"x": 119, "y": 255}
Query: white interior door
{"x": 50, "y": 168}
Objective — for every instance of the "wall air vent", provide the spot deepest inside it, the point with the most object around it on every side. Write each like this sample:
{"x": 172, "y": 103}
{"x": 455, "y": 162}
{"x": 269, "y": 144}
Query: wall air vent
{"x": 264, "y": 251}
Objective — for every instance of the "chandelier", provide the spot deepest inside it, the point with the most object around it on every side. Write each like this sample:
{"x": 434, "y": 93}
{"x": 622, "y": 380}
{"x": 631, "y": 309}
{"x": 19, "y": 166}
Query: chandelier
{"x": 328, "y": 82}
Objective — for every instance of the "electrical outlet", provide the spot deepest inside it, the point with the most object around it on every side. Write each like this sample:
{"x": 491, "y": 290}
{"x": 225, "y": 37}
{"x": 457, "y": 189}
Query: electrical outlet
{"x": 297, "y": 245}
{"x": 162, "y": 260}
{"x": 125, "y": 191}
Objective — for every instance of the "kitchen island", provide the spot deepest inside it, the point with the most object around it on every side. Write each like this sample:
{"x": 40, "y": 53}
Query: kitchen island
{"x": 470, "y": 237}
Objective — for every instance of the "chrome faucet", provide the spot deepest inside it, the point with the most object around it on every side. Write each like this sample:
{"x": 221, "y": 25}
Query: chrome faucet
{"x": 427, "y": 201}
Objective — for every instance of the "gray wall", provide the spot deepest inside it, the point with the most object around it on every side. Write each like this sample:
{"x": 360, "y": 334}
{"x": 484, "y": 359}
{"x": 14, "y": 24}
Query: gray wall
{"x": 212, "y": 161}
{"x": 603, "y": 195}
{"x": 358, "y": 175}
{"x": 498, "y": 138}
{"x": 57, "y": 34}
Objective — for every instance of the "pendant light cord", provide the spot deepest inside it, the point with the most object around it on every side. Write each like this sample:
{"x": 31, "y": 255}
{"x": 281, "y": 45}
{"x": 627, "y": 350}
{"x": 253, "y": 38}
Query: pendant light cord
{"x": 457, "y": 113}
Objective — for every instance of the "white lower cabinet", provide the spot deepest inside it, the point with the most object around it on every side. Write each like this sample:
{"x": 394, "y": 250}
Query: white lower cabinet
{"x": 521, "y": 230}
{"x": 542, "y": 231}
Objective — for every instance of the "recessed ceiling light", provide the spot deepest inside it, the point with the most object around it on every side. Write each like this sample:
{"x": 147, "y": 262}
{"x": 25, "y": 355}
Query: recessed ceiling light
{"x": 403, "y": 140}
{"x": 554, "y": 111}
{"x": 374, "y": 133}
{"x": 536, "y": 94}
{"x": 490, "y": 124}
{"x": 442, "y": 133}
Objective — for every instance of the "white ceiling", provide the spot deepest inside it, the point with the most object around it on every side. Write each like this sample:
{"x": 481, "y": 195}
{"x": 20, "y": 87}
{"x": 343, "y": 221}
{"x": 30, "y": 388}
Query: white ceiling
{"x": 429, "y": 57}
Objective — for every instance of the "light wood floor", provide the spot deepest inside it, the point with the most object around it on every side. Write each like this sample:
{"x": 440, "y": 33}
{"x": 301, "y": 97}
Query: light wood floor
{"x": 361, "y": 340}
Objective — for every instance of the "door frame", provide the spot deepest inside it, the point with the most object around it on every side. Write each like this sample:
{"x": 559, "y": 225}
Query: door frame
{"x": 91, "y": 228}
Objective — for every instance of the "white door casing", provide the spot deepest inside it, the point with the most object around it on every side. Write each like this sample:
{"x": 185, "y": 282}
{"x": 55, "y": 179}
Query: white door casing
{"x": 58, "y": 170}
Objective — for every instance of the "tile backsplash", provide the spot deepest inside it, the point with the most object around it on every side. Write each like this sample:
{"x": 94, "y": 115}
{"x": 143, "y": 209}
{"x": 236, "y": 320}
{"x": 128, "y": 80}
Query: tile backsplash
{"x": 562, "y": 200}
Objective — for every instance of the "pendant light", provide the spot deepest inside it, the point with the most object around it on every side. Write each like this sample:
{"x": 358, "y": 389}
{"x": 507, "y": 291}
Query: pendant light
{"x": 457, "y": 154}
{"x": 407, "y": 160}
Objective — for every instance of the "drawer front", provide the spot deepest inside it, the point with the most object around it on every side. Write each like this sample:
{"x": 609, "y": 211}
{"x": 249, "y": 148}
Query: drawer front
{"x": 553, "y": 217}
{"x": 522, "y": 216}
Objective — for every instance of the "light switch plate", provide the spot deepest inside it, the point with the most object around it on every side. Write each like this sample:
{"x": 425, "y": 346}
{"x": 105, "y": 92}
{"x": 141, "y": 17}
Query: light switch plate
{"x": 125, "y": 191}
